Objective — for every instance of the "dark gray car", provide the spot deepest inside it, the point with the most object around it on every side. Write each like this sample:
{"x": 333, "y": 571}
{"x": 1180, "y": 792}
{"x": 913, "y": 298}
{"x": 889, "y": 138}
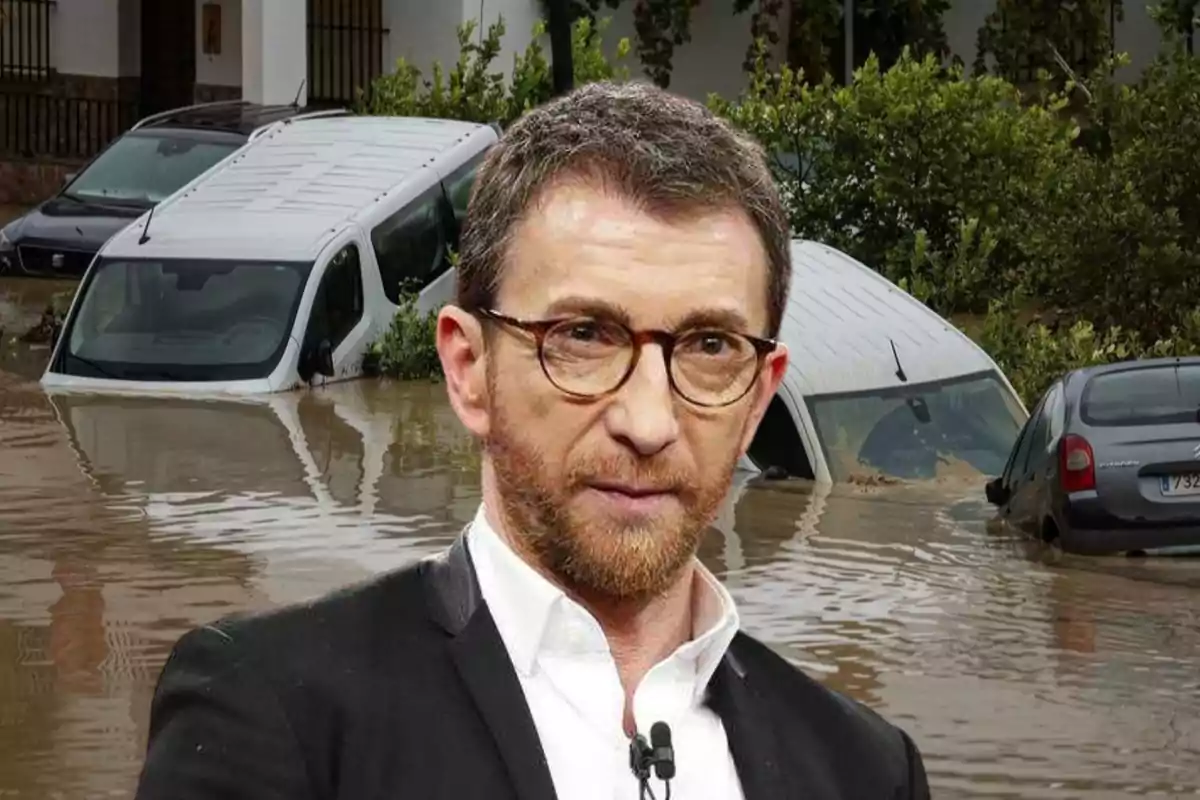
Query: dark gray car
{"x": 60, "y": 237}
{"x": 1109, "y": 461}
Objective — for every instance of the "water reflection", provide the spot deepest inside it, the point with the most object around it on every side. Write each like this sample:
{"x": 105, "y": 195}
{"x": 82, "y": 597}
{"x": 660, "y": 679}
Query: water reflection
{"x": 340, "y": 478}
{"x": 1023, "y": 673}
{"x": 124, "y": 521}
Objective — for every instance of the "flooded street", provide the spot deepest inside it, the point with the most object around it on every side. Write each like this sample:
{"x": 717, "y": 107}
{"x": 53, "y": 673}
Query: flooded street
{"x": 1021, "y": 673}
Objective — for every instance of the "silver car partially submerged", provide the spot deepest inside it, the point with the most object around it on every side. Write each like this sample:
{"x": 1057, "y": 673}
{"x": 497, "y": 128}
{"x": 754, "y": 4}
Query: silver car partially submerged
{"x": 1109, "y": 462}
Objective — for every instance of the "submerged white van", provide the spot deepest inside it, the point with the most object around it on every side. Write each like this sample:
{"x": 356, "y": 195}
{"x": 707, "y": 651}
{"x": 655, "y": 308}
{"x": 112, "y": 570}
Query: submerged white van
{"x": 282, "y": 263}
{"x": 879, "y": 384}
{"x": 285, "y": 263}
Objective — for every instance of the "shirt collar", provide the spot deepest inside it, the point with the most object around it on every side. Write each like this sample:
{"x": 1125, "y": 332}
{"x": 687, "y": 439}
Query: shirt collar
{"x": 529, "y": 610}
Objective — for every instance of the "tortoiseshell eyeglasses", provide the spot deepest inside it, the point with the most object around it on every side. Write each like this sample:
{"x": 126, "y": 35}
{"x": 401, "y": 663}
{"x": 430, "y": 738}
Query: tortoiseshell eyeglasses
{"x": 589, "y": 357}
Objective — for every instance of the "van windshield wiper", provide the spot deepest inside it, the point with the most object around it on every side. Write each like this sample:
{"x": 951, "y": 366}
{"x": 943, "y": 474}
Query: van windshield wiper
{"x": 160, "y": 375}
{"x": 149, "y": 374}
{"x": 89, "y": 363}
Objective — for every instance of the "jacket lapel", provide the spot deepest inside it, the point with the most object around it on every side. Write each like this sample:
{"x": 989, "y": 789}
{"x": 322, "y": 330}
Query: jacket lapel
{"x": 750, "y": 729}
{"x": 483, "y": 663}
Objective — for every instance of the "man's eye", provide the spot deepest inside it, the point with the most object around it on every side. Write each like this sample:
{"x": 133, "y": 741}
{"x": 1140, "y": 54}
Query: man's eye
{"x": 710, "y": 344}
{"x": 583, "y": 331}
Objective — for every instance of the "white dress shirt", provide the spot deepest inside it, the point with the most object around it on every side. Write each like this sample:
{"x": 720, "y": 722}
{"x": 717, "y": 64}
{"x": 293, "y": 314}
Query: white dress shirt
{"x": 574, "y": 693}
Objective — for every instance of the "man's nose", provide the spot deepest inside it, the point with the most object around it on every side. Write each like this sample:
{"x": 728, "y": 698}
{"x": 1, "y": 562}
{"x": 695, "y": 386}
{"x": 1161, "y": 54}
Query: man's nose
{"x": 643, "y": 416}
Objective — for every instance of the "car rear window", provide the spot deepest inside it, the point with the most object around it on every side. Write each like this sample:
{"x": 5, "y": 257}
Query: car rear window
{"x": 1160, "y": 395}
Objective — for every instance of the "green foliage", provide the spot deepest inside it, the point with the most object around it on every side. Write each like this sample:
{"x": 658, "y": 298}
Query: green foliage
{"x": 963, "y": 188}
{"x": 967, "y": 192}
{"x": 1179, "y": 20}
{"x": 408, "y": 349}
{"x": 1025, "y": 36}
{"x": 1126, "y": 251}
{"x": 660, "y": 25}
{"x": 1033, "y": 354}
{"x": 933, "y": 179}
{"x": 813, "y": 29}
{"x": 887, "y": 27}
{"x": 474, "y": 90}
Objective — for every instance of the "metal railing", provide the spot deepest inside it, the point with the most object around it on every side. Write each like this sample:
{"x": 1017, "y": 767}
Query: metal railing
{"x": 345, "y": 48}
{"x": 25, "y": 40}
{"x": 319, "y": 114}
{"x": 36, "y": 125}
{"x": 171, "y": 112}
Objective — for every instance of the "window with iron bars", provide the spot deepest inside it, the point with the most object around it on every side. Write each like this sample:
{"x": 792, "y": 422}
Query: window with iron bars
{"x": 25, "y": 40}
{"x": 345, "y": 49}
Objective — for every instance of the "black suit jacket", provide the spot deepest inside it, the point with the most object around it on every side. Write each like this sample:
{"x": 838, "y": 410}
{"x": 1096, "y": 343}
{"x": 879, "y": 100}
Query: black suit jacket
{"x": 401, "y": 688}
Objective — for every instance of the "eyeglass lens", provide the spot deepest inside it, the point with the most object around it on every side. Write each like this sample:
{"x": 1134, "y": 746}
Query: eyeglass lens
{"x": 590, "y": 357}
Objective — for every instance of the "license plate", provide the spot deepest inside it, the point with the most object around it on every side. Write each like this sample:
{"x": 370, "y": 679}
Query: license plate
{"x": 1186, "y": 483}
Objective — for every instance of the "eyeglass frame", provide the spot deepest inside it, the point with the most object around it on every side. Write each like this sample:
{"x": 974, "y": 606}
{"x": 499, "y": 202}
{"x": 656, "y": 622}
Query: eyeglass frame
{"x": 667, "y": 340}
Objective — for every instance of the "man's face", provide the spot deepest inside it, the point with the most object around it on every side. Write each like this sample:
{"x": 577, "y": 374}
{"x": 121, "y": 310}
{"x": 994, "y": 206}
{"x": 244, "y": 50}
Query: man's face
{"x": 613, "y": 494}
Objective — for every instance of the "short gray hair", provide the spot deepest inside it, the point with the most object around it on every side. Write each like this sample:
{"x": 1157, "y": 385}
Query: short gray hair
{"x": 670, "y": 155}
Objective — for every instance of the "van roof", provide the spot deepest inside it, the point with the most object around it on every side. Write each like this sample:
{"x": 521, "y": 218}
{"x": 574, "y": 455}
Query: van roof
{"x": 842, "y": 318}
{"x": 290, "y": 188}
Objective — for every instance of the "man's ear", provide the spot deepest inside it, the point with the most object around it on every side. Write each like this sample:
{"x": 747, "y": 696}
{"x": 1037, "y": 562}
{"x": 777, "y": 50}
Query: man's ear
{"x": 461, "y": 350}
{"x": 769, "y": 379}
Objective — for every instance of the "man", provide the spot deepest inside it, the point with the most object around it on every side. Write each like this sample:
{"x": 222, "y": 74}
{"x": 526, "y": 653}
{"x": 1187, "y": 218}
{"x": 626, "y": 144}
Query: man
{"x": 623, "y": 274}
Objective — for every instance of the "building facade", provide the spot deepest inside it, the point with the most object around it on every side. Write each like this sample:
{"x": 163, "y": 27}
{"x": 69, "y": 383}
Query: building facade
{"x": 75, "y": 73}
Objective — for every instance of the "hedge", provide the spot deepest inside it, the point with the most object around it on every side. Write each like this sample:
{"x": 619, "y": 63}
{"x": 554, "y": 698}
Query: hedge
{"x": 1066, "y": 225}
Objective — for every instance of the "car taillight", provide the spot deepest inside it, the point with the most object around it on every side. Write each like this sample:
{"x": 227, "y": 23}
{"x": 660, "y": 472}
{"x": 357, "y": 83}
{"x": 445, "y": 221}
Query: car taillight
{"x": 1077, "y": 464}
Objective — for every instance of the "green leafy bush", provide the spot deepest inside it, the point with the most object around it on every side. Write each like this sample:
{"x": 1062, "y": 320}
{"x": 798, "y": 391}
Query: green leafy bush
{"x": 934, "y": 179}
{"x": 1127, "y": 250}
{"x": 964, "y": 190}
{"x": 1033, "y": 353}
{"x": 475, "y": 91}
{"x": 408, "y": 349}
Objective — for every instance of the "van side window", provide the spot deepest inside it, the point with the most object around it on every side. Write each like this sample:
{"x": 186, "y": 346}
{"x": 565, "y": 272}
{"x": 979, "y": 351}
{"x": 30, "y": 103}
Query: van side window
{"x": 410, "y": 245}
{"x": 338, "y": 306}
{"x": 458, "y": 191}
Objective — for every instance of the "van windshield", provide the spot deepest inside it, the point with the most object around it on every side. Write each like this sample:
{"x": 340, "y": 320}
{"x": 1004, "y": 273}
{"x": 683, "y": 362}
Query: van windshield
{"x": 183, "y": 319}
{"x": 959, "y": 427}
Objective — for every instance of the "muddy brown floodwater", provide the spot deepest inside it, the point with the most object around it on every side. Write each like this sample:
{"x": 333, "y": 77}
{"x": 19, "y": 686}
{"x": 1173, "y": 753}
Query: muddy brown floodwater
{"x": 1021, "y": 673}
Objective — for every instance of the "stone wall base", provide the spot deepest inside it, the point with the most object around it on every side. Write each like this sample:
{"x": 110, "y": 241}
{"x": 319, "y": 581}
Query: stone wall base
{"x": 52, "y": 129}
{"x": 26, "y": 183}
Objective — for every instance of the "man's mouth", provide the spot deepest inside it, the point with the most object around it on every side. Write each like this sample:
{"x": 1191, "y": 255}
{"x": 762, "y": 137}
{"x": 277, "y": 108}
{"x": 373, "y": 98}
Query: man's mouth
{"x": 637, "y": 499}
{"x": 629, "y": 489}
